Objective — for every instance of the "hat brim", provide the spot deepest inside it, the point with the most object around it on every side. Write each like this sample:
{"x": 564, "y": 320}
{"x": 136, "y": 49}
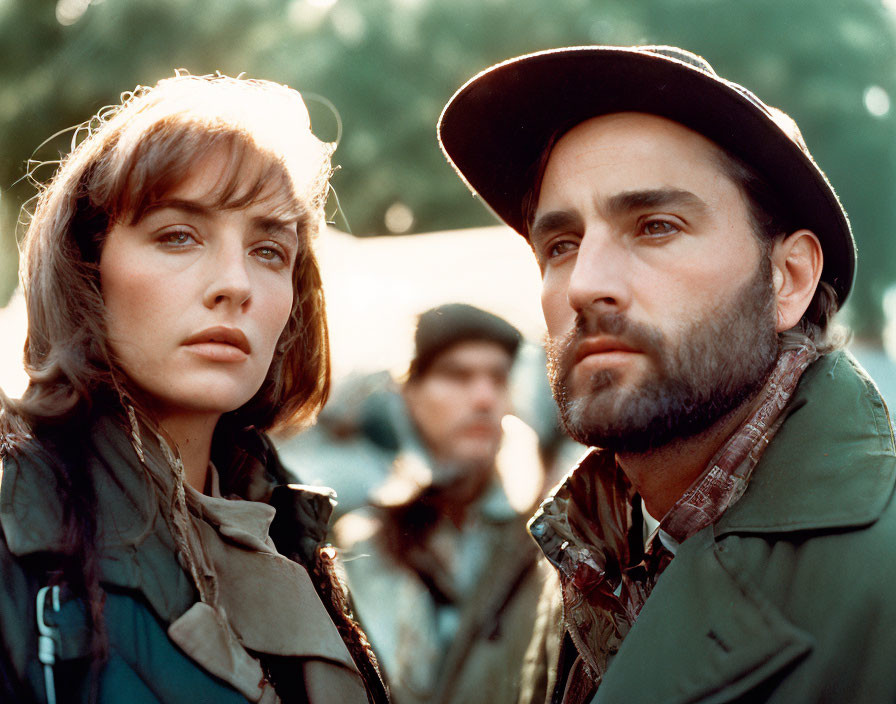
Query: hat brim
{"x": 495, "y": 128}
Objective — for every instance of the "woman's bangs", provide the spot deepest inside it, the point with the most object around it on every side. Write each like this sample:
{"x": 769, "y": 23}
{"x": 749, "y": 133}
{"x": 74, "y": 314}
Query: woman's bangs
{"x": 253, "y": 176}
{"x": 165, "y": 160}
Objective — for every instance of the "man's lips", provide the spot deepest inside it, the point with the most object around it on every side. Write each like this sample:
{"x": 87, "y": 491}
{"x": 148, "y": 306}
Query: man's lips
{"x": 221, "y": 335}
{"x": 601, "y": 345}
{"x": 482, "y": 428}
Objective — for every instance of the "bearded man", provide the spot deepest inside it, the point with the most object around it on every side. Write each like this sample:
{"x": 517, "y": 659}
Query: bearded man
{"x": 730, "y": 535}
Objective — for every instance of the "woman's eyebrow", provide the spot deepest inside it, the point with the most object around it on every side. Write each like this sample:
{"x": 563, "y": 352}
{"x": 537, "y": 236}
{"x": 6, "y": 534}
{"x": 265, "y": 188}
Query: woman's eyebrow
{"x": 190, "y": 207}
{"x": 275, "y": 226}
{"x": 269, "y": 224}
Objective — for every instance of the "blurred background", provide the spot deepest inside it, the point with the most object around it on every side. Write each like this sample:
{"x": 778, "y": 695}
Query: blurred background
{"x": 384, "y": 69}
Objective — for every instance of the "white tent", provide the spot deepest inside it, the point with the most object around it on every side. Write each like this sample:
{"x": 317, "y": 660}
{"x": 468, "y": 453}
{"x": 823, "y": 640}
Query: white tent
{"x": 375, "y": 288}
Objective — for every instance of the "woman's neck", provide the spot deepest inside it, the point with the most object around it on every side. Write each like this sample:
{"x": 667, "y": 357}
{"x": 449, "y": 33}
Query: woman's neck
{"x": 192, "y": 434}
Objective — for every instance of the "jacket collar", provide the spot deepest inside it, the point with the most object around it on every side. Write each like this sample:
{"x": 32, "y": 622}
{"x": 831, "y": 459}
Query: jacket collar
{"x": 31, "y": 511}
{"x": 837, "y": 441}
{"x": 831, "y": 465}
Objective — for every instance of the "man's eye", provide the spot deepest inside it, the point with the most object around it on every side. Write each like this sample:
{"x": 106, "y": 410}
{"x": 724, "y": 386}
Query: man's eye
{"x": 560, "y": 247}
{"x": 659, "y": 227}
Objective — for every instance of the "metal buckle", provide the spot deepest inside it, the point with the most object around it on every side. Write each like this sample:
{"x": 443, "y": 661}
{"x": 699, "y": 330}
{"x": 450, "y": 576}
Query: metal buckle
{"x": 47, "y": 638}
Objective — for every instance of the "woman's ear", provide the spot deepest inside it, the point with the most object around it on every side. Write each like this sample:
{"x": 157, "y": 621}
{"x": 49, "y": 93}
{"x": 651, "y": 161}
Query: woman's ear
{"x": 796, "y": 268}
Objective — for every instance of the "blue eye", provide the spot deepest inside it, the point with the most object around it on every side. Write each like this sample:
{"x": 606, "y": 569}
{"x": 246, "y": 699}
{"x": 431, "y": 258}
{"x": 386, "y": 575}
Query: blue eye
{"x": 176, "y": 238}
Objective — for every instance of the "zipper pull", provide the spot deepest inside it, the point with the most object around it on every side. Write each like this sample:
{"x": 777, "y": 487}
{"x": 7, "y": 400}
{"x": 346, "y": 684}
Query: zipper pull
{"x": 48, "y": 636}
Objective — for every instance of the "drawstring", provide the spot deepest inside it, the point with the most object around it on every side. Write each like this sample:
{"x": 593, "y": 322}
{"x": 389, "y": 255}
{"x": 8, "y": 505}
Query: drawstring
{"x": 47, "y": 639}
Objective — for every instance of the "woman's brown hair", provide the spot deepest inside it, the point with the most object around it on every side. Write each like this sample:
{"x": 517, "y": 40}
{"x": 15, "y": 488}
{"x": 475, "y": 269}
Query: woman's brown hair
{"x": 125, "y": 159}
{"x": 131, "y": 156}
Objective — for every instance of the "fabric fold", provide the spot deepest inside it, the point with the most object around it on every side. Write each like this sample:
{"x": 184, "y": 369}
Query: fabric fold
{"x": 203, "y": 637}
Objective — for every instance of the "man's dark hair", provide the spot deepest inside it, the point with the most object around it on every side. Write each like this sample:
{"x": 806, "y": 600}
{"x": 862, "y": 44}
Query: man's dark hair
{"x": 772, "y": 219}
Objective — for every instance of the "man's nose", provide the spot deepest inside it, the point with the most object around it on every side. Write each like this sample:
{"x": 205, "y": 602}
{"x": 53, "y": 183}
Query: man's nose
{"x": 486, "y": 392}
{"x": 600, "y": 274}
{"x": 229, "y": 281}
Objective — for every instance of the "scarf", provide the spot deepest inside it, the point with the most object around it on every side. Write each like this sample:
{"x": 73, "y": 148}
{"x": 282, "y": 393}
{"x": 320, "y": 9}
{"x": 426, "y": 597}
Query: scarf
{"x": 255, "y": 605}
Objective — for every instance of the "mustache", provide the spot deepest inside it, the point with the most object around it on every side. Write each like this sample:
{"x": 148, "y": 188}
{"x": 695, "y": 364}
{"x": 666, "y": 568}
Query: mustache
{"x": 481, "y": 418}
{"x": 562, "y": 349}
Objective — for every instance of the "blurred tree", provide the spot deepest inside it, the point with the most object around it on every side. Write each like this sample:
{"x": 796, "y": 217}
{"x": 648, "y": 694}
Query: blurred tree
{"x": 390, "y": 65}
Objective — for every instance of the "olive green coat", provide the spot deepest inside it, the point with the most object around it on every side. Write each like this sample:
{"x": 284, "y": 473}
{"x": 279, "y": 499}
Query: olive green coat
{"x": 145, "y": 587}
{"x": 791, "y": 596}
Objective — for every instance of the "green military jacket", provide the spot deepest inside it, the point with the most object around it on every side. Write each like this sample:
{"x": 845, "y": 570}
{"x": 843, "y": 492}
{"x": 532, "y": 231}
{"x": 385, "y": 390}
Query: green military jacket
{"x": 791, "y": 596}
{"x": 145, "y": 587}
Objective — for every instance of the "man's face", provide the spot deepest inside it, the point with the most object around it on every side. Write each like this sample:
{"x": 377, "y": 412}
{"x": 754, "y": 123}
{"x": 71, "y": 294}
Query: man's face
{"x": 657, "y": 296}
{"x": 459, "y": 401}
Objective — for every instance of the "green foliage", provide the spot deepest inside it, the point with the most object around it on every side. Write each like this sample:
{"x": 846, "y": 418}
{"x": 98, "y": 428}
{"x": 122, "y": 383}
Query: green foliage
{"x": 390, "y": 65}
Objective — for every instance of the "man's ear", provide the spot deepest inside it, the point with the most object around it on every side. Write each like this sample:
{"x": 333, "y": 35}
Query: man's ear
{"x": 796, "y": 268}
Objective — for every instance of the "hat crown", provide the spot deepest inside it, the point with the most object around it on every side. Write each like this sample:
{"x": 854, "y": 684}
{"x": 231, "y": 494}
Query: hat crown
{"x": 451, "y": 323}
{"x": 496, "y": 127}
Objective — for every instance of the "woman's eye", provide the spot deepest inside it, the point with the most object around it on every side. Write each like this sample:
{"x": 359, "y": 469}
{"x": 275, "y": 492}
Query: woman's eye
{"x": 658, "y": 228}
{"x": 176, "y": 238}
{"x": 270, "y": 254}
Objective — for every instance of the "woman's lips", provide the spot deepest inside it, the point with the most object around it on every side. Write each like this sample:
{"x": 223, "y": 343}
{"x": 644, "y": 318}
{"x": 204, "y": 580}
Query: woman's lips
{"x": 217, "y": 351}
{"x": 220, "y": 344}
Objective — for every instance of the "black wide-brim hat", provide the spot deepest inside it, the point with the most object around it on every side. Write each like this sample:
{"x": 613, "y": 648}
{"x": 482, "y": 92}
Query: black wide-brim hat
{"x": 496, "y": 127}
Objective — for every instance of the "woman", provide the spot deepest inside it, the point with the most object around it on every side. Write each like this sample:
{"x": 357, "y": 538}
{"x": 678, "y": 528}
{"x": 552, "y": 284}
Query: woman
{"x": 175, "y": 314}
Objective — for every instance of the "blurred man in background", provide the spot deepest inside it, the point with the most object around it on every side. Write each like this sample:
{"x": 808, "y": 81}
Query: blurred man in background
{"x": 441, "y": 568}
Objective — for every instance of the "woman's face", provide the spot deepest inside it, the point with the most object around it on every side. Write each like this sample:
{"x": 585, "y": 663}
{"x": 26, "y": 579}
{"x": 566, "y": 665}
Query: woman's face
{"x": 197, "y": 297}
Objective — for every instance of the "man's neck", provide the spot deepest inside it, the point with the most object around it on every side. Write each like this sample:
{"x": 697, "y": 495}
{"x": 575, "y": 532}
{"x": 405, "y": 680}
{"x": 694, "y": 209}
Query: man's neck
{"x": 663, "y": 474}
{"x": 466, "y": 490}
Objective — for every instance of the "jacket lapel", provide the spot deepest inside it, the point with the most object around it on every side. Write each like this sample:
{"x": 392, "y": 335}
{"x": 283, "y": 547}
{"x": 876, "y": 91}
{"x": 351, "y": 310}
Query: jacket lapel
{"x": 837, "y": 441}
{"x": 702, "y": 636}
{"x": 706, "y": 634}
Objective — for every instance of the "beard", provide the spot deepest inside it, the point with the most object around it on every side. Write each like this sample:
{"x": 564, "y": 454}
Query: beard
{"x": 713, "y": 367}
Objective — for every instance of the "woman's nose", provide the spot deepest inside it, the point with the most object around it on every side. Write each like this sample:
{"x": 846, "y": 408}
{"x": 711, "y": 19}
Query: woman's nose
{"x": 229, "y": 281}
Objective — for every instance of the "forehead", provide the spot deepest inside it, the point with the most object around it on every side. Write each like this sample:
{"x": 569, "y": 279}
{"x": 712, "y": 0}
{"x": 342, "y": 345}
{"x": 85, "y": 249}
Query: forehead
{"x": 207, "y": 178}
{"x": 236, "y": 177}
{"x": 472, "y": 355}
{"x": 631, "y": 151}
{"x": 223, "y": 176}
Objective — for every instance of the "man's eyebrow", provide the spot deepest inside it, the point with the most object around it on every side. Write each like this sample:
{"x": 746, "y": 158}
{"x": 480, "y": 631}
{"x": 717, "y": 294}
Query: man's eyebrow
{"x": 553, "y": 221}
{"x": 628, "y": 201}
{"x": 620, "y": 203}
